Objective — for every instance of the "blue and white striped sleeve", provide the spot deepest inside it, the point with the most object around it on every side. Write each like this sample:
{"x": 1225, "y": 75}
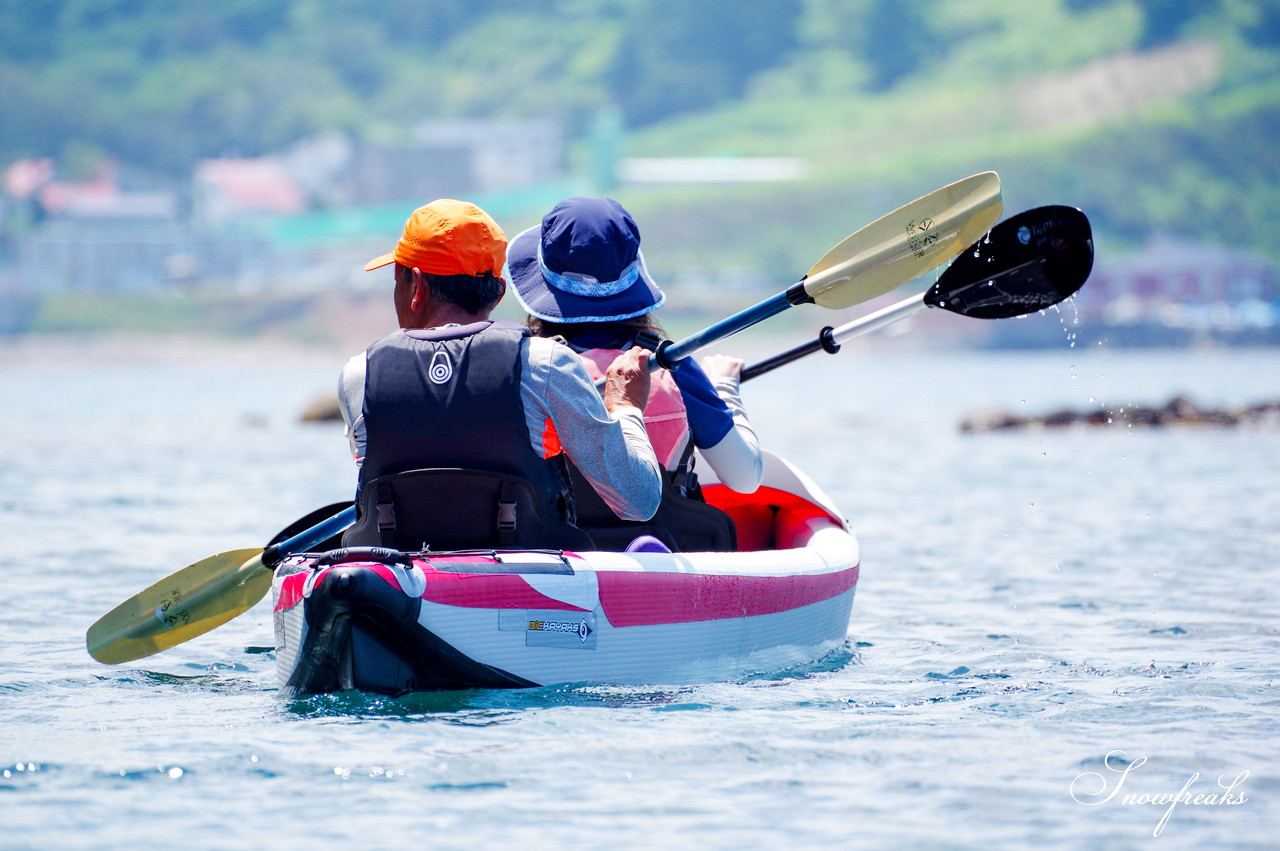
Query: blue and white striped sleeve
{"x": 720, "y": 428}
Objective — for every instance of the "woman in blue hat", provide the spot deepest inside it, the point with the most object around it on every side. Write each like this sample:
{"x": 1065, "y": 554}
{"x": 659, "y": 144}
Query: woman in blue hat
{"x": 581, "y": 276}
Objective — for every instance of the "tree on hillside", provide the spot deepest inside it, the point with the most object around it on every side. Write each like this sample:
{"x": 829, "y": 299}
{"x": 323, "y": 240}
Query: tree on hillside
{"x": 677, "y": 57}
{"x": 890, "y": 38}
{"x": 1165, "y": 19}
{"x": 164, "y": 83}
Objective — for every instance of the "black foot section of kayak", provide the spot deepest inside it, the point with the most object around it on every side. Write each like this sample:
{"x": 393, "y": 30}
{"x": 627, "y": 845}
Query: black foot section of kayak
{"x": 364, "y": 634}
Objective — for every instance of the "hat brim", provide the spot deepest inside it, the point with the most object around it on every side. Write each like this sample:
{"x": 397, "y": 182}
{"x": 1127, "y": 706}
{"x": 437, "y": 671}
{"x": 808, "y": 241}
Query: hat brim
{"x": 379, "y": 262}
{"x": 545, "y": 302}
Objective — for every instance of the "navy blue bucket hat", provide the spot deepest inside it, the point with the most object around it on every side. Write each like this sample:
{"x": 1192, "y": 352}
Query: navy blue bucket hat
{"x": 583, "y": 264}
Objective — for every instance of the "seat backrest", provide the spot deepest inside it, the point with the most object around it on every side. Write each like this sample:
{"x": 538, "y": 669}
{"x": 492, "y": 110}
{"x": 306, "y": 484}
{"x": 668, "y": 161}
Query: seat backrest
{"x": 683, "y": 523}
{"x": 456, "y": 508}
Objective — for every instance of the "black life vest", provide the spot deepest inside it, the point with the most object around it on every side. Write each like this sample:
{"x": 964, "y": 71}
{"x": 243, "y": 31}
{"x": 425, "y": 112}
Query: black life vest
{"x": 449, "y": 398}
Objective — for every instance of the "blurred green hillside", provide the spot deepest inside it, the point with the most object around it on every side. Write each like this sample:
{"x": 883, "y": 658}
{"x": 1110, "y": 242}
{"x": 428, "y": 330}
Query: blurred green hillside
{"x": 1152, "y": 115}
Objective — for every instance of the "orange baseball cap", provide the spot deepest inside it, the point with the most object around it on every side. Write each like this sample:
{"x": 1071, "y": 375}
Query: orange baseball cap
{"x": 448, "y": 237}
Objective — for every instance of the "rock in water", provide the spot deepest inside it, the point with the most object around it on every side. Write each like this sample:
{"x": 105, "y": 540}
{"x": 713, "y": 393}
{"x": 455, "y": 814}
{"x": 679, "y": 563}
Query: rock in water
{"x": 1178, "y": 411}
{"x": 322, "y": 410}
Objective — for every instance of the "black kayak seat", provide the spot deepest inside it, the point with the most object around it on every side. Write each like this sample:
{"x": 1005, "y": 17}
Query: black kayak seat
{"x": 454, "y": 508}
{"x": 683, "y": 523}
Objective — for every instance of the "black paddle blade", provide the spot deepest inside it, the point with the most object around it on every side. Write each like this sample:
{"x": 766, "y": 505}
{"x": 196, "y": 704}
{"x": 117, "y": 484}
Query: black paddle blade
{"x": 1026, "y": 263}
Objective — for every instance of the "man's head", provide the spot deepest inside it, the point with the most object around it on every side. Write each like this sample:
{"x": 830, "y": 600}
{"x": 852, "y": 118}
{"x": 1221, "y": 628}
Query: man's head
{"x": 458, "y": 249}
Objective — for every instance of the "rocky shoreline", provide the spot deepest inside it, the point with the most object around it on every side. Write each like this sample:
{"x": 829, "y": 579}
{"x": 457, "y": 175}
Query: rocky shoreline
{"x": 1178, "y": 411}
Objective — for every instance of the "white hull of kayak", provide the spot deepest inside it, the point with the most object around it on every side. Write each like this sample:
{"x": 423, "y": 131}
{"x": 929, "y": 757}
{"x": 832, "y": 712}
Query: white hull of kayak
{"x": 455, "y": 620}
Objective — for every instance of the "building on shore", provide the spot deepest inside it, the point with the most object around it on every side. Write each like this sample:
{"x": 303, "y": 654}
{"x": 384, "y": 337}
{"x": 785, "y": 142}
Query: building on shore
{"x": 1168, "y": 292}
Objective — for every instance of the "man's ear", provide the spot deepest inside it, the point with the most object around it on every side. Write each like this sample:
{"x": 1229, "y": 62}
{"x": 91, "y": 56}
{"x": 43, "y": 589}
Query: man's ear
{"x": 420, "y": 290}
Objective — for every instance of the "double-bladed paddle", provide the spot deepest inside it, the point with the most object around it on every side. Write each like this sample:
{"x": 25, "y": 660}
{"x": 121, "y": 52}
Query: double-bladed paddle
{"x": 889, "y": 252}
{"x": 1028, "y": 262}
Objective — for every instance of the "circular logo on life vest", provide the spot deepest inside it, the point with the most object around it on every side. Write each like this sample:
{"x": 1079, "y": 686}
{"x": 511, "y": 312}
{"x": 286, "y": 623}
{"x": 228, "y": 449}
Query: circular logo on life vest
{"x": 1024, "y": 235}
{"x": 441, "y": 369}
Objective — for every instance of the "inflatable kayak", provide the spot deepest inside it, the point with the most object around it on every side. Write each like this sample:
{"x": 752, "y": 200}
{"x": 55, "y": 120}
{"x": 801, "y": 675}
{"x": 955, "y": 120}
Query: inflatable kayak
{"x": 391, "y": 622}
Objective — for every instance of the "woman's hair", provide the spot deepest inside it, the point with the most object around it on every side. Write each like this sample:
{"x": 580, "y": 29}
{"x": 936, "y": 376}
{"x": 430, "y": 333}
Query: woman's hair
{"x": 621, "y": 332}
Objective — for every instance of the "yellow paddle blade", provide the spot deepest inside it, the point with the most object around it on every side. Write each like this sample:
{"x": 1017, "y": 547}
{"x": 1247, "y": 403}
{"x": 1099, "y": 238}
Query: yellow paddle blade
{"x": 906, "y": 243}
{"x": 191, "y": 602}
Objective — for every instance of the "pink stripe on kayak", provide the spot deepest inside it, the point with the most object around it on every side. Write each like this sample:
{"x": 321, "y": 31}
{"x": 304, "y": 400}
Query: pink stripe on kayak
{"x": 643, "y": 599}
{"x": 629, "y": 598}
{"x": 290, "y": 591}
{"x": 292, "y": 587}
{"x": 467, "y": 590}
{"x": 489, "y": 591}
{"x": 294, "y": 584}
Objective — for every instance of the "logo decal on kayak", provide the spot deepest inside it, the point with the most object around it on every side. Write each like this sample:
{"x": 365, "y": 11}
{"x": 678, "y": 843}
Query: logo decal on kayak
{"x": 441, "y": 369}
{"x": 561, "y": 629}
{"x": 582, "y": 629}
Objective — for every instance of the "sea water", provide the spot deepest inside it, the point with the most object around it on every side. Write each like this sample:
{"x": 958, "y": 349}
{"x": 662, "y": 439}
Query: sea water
{"x": 1061, "y": 638}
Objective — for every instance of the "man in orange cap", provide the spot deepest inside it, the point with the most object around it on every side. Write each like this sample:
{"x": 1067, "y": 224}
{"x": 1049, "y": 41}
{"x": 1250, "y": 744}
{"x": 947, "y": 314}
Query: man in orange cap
{"x": 453, "y": 389}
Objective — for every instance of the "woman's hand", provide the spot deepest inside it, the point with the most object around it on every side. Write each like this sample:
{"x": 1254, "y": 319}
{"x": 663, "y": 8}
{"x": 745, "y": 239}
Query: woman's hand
{"x": 722, "y": 366}
{"x": 626, "y": 381}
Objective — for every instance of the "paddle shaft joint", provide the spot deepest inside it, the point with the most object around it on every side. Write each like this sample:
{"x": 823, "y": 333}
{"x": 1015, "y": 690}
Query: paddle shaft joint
{"x": 658, "y": 345}
{"x": 272, "y": 556}
{"x": 797, "y": 294}
{"x": 824, "y": 342}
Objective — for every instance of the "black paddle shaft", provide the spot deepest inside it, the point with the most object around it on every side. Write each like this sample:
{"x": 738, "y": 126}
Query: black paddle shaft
{"x": 824, "y": 342}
